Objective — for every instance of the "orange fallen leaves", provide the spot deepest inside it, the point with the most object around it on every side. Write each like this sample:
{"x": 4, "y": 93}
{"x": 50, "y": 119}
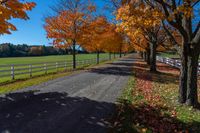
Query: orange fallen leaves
{"x": 152, "y": 112}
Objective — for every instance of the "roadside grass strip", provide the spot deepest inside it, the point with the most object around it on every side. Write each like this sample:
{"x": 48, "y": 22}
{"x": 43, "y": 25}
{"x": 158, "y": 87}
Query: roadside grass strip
{"x": 149, "y": 104}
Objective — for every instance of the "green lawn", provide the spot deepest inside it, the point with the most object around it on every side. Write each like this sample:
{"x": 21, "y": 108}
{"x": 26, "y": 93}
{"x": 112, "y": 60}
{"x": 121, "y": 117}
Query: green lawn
{"x": 40, "y": 68}
{"x": 7, "y": 86}
{"x": 169, "y": 55}
{"x": 42, "y": 59}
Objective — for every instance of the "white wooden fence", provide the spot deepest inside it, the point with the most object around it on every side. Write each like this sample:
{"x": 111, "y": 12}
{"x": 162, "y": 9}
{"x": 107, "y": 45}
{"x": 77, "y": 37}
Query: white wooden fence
{"x": 11, "y": 71}
{"x": 173, "y": 62}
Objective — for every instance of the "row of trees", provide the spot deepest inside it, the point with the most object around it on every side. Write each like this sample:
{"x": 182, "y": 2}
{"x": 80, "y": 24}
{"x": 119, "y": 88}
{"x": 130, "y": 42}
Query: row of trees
{"x": 145, "y": 25}
{"x": 154, "y": 25}
{"x": 76, "y": 22}
{"x": 10, "y": 50}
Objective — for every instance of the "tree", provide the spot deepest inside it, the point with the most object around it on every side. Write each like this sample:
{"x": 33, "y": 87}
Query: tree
{"x": 93, "y": 37}
{"x": 12, "y": 9}
{"x": 66, "y": 27}
{"x": 182, "y": 15}
{"x": 100, "y": 35}
{"x": 36, "y": 51}
{"x": 136, "y": 20}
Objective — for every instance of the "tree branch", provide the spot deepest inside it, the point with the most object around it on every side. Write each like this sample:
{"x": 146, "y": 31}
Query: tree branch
{"x": 172, "y": 39}
{"x": 196, "y": 30}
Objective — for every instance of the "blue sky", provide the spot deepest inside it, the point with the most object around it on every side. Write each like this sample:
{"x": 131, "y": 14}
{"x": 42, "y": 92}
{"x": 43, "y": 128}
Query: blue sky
{"x": 31, "y": 31}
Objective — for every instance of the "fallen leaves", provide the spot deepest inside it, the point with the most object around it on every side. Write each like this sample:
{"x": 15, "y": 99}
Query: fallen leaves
{"x": 154, "y": 107}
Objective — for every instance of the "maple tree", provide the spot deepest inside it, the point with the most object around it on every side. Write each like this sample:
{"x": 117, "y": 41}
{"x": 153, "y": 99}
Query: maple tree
{"x": 92, "y": 38}
{"x": 176, "y": 16}
{"x": 12, "y": 9}
{"x": 183, "y": 15}
{"x": 66, "y": 27}
{"x": 101, "y": 36}
{"x": 137, "y": 19}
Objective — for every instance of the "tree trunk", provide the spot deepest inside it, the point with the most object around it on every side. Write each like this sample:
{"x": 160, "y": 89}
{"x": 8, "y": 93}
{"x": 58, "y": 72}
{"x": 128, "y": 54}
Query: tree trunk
{"x": 148, "y": 57}
{"x": 192, "y": 79}
{"x": 110, "y": 56}
{"x": 183, "y": 75}
{"x": 120, "y": 53}
{"x": 145, "y": 56}
{"x": 74, "y": 54}
{"x": 97, "y": 57}
{"x": 141, "y": 54}
{"x": 153, "y": 57}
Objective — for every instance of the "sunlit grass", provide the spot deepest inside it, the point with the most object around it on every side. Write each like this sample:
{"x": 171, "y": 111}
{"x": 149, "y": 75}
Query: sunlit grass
{"x": 153, "y": 105}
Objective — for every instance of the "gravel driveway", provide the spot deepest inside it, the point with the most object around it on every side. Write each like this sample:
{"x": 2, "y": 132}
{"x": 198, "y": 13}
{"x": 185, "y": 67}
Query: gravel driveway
{"x": 79, "y": 103}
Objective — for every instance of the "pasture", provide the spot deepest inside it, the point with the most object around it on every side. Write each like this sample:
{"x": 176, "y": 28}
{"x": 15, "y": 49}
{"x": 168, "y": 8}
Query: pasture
{"x": 42, "y": 59}
{"x": 17, "y": 68}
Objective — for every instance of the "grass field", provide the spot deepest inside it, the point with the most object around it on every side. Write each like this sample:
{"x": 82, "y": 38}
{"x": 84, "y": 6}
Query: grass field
{"x": 169, "y": 55}
{"x": 42, "y": 59}
{"x": 40, "y": 70}
{"x": 10, "y": 86}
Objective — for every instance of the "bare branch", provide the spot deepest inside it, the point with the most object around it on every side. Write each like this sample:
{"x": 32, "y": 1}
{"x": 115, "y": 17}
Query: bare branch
{"x": 195, "y": 3}
{"x": 171, "y": 37}
{"x": 196, "y": 30}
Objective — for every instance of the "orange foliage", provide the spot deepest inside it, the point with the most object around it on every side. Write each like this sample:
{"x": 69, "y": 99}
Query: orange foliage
{"x": 12, "y": 9}
{"x": 140, "y": 23}
{"x": 100, "y": 35}
{"x": 66, "y": 28}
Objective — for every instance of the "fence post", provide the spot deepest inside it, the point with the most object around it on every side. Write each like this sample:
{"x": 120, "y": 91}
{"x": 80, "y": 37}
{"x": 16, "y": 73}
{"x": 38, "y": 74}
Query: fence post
{"x": 30, "y": 70}
{"x": 12, "y": 72}
{"x": 45, "y": 68}
{"x": 65, "y": 66}
{"x": 83, "y": 63}
{"x": 57, "y": 66}
{"x": 174, "y": 62}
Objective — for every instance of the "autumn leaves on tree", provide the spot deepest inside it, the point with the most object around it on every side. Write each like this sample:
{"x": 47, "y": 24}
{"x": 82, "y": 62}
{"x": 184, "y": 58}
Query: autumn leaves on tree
{"x": 153, "y": 23}
{"x": 12, "y": 9}
{"x": 75, "y": 24}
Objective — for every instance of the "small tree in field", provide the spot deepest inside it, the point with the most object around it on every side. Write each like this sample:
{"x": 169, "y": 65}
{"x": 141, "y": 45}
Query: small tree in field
{"x": 66, "y": 26}
{"x": 12, "y": 9}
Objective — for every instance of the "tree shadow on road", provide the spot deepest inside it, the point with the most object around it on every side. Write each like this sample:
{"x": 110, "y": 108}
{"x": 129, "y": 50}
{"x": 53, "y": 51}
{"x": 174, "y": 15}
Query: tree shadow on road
{"x": 112, "y": 70}
{"x": 53, "y": 112}
{"x": 120, "y": 68}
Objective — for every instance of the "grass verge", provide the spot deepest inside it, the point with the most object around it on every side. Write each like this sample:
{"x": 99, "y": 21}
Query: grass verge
{"x": 149, "y": 104}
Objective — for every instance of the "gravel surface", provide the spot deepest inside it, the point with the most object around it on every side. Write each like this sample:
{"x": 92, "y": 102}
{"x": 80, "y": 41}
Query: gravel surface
{"x": 79, "y": 103}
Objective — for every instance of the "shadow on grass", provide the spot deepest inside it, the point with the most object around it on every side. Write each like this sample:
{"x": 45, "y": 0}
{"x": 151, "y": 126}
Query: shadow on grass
{"x": 142, "y": 71}
{"x": 52, "y": 112}
{"x": 148, "y": 119}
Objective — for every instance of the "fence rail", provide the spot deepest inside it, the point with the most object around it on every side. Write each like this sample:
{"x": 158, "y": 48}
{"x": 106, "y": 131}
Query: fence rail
{"x": 10, "y": 72}
{"x": 173, "y": 62}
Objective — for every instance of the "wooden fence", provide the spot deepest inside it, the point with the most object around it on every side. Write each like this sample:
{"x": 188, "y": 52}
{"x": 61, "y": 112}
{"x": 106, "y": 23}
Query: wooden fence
{"x": 173, "y": 62}
{"x": 10, "y": 72}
